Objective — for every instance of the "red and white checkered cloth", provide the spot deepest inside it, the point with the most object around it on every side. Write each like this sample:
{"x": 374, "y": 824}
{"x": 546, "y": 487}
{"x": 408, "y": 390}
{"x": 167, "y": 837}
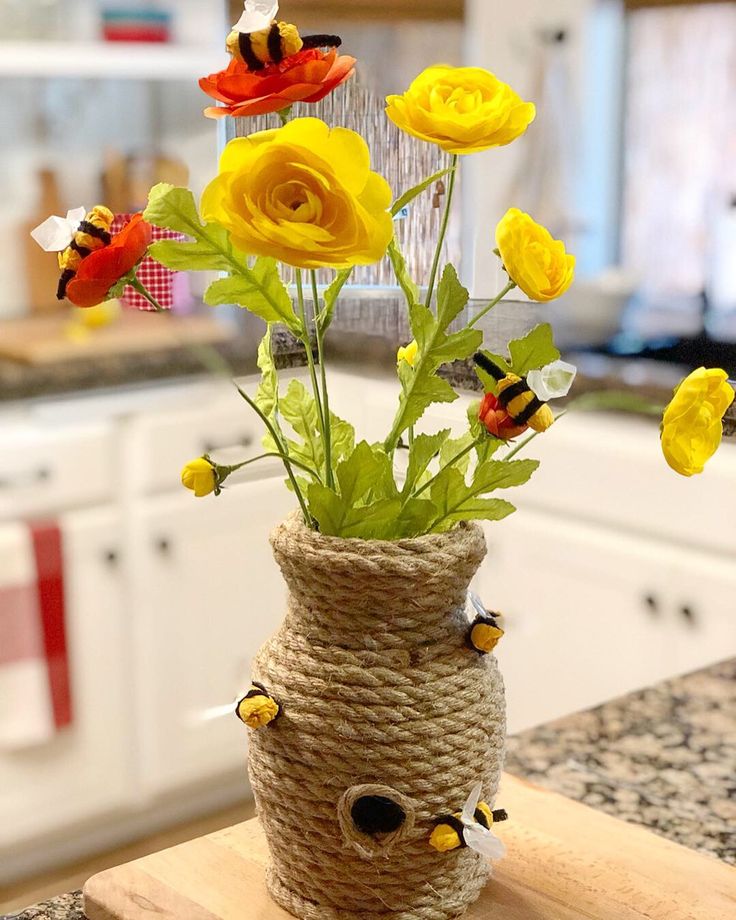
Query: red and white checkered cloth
{"x": 157, "y": 279}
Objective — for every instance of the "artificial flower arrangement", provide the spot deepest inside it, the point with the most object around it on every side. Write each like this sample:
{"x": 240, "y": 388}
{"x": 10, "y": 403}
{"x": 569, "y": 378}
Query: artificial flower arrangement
{"x": 376, "y": 713}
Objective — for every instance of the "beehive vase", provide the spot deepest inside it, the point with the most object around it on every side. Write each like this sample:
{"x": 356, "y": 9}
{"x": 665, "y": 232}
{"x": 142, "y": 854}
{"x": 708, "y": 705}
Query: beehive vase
{"x": 388, "y": 719}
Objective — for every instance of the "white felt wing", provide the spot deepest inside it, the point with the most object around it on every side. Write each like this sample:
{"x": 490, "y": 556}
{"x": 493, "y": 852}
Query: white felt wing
{"x": 468, "y": 815}
{"x": 258, "y": 15}
{"x": 483, "y": 841}
{"x": 478, "y": 604}
{"x": 55, "y": 233}
{"x": 552, "y": 381}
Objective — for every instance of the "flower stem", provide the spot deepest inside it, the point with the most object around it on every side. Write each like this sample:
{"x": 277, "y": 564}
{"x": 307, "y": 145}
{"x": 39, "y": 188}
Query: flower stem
{"x": 312, "y": 370}
{"x": 323, "y": 373}
{"x": 284, "y": 456}
{"x": 443, "y": 233}
{"x": 458, "y": 456}
{"x": 238, "y": 466}
{"x": 285, "y": 114}
{"x": 489, "y": 306}
{"x": 522, "y": 444}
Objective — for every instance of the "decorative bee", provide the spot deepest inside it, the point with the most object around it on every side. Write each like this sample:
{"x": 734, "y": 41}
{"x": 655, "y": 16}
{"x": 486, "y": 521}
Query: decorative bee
{"x": 484, "y": 633}
{"x": 258, "y": 39}
{"x": 257, "y": 708}
{"x": 74, "y": 237}
{"x": 517, "y": 397}
{"x": 470, "y": 828}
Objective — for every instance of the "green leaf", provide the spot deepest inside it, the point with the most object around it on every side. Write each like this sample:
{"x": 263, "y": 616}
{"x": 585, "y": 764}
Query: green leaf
{"x": 258, "y": 289}
{"x": 420, "y": 386}
{"x": 406, "y": 282}
{"x": 267, "y": 395}
{"x": 456, "y": 500}
{"x": 455, "y": 446}
{"x": 412, "y": 193}
{"x": 354, "y": 512}
{"x": 330, "y": 297}
{"x": 201, "y": 255}
{"x": 173, "y": 209}
{"x": 535, "y": 350}
{"x": 343, "y": 438}
{"x": 415, "y": 518}
{"x": 451, "y": 297}
{"x": 422, "y": 451}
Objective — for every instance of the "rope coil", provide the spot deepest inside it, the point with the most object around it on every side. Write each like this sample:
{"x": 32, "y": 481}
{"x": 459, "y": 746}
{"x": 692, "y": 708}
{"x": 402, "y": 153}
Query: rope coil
{"x": 383, "y": 703}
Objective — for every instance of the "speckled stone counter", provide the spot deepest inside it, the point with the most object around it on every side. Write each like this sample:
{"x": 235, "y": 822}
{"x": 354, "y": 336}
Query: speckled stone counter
{"x": 663, "y": 758}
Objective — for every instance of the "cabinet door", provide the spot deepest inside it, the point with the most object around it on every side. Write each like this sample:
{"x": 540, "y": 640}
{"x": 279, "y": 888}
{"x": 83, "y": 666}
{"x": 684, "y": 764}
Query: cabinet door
{"x": 583, "y": 614}
{"x": 207, "y": 594}
{"x": 701, "y": 609}
{"x": 85, "y": 769}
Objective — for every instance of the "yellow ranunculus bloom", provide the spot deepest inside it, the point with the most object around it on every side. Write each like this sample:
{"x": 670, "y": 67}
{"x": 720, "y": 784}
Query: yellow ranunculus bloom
{"x": 534, "y": 260}
{"x": 462, "y": 109}
{"x": 303, "y": 194}
{"x": 692, "y": 426}
{"x": 408, "y": 353}
{"x": 199, "y": 476}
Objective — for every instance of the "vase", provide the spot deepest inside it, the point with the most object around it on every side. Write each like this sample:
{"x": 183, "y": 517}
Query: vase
{"x": 387, "y": 719}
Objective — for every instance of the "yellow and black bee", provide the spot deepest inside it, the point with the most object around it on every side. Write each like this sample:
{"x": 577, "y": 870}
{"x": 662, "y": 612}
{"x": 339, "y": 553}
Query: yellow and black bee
{"x": 93, "y": 233}
{"x": 271, "y": 45}
{"x": 450, "y": 831}
{"x": 257, "y": 708}
{"x": 515, "y": 395}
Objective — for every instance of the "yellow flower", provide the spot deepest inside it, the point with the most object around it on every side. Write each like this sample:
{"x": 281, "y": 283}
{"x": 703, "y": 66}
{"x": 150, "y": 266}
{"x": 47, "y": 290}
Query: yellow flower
{"x": 304, "y": 194}
{"x": 692, "y": 426}
{"x": 462, "y": 109}
{"x": 408, "y": 353}
{"x": 199, "y": 476}
{"x": 535, "y": 261}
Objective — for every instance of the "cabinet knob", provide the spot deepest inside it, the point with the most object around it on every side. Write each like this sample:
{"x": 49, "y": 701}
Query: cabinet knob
{"x": 163, "y": 545}
{"x": 688, "y": 615}
{"x": 111, "y": 558}
{"x": 651, "y": 603}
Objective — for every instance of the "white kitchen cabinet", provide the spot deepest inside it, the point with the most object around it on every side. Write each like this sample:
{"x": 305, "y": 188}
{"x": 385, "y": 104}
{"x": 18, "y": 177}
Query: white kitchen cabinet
{"x": 86, "y": 769}
{"x": 207, "y": 593}
{"x": 591, "y": 614}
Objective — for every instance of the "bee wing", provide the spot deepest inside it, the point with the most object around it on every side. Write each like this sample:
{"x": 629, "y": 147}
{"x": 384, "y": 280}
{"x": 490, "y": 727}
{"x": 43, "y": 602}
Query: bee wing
{"x": 483, "y": 841}
{"x": 468, "y": 815}
{"x": 258, "y": 15}
{"x": 54, "y": 234}
{"x": 478, "y": 604}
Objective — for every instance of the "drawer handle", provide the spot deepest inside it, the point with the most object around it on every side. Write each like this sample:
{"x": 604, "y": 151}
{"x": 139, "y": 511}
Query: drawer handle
{"x": 163, "y": 546}
{"x": 112, "y": 558}
{"x": 209, "y": 448}
{"x": 26, "y": 478}
{"x": 688, "y": 615}
{"x": 652, "y": 604}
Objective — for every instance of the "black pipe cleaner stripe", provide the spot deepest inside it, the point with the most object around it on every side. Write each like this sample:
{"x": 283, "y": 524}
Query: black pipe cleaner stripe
{"x": 97, "y": 232}
{"x": 321, "y": 41}
{"x": 274, "y": 44}
{"x": 490, "y": 367}
{"x": 247, "y": 52}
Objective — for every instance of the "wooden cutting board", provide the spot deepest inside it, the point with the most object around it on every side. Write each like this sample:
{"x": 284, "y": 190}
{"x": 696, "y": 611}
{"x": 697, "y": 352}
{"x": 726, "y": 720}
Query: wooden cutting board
{"x": 565, "y": 861}
{"x": 44, "y": 339}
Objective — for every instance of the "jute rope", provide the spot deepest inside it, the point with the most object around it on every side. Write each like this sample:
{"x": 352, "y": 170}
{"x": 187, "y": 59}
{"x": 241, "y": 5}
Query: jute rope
{"x": 379, "y": 695}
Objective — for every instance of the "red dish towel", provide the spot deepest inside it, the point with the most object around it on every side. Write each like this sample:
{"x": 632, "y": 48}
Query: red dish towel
{"x": 35, "y": 693}
{"x": 155, "y": 278}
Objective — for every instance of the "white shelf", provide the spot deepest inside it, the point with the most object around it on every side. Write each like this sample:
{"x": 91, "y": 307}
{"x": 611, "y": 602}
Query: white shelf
{"x": 111, "y": 60}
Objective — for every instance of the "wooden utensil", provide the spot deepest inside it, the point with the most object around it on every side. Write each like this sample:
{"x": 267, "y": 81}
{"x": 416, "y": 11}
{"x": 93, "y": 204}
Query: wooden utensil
{"x": 42, "y": 269}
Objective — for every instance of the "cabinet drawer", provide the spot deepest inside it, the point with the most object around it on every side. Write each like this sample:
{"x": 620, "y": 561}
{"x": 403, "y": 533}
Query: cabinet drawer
{"x": 45, "y": 470}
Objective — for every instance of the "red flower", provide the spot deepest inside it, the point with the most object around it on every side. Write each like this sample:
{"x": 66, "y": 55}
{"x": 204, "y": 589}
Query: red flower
{"x": 307, "y": 76}
{"x": 497, "y": 420}
{"x": 101, "y": 270}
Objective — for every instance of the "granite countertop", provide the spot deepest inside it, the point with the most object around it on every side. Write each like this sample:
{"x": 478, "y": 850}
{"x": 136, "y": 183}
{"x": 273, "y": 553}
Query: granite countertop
{"x": 661, "y": 758}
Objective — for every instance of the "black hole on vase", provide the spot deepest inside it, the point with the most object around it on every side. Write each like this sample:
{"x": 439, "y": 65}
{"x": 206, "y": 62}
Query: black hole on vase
{"x": 377, "y": 814}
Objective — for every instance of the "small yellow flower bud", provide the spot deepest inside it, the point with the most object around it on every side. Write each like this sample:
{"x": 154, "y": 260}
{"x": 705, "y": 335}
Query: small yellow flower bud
{"x": 535, "y": 261}
{"x": 199, "y": 476}
{"x": 408, "y": 353}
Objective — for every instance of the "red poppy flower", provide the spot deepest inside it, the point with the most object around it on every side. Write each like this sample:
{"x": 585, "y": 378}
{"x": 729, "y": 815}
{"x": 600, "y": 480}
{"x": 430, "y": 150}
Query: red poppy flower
{"x": 307, "y": 76}
{"x": 497, "y": 420}
{"x": 101, "y": 270}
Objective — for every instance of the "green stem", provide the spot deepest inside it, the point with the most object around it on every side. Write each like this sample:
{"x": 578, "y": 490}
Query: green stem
{"x": 238, "y": 466}
{"x": 464, "y": 452}
{"x": 522, "y": 444}
{"x": 323, "y": 373}
{"x": 284, "y": 456}
{"x": 489, "y": 306}
{"x": 285, "y": 114}
{"x": 312, "y": 370}
{"x": 443, "y": 233}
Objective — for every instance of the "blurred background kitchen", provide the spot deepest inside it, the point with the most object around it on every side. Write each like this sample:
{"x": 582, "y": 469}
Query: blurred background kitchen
{"x": 615, "y": 575}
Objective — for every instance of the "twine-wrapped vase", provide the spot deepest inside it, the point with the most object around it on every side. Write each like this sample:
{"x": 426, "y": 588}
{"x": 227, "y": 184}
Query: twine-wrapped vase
{"x": 387, "y": 721}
